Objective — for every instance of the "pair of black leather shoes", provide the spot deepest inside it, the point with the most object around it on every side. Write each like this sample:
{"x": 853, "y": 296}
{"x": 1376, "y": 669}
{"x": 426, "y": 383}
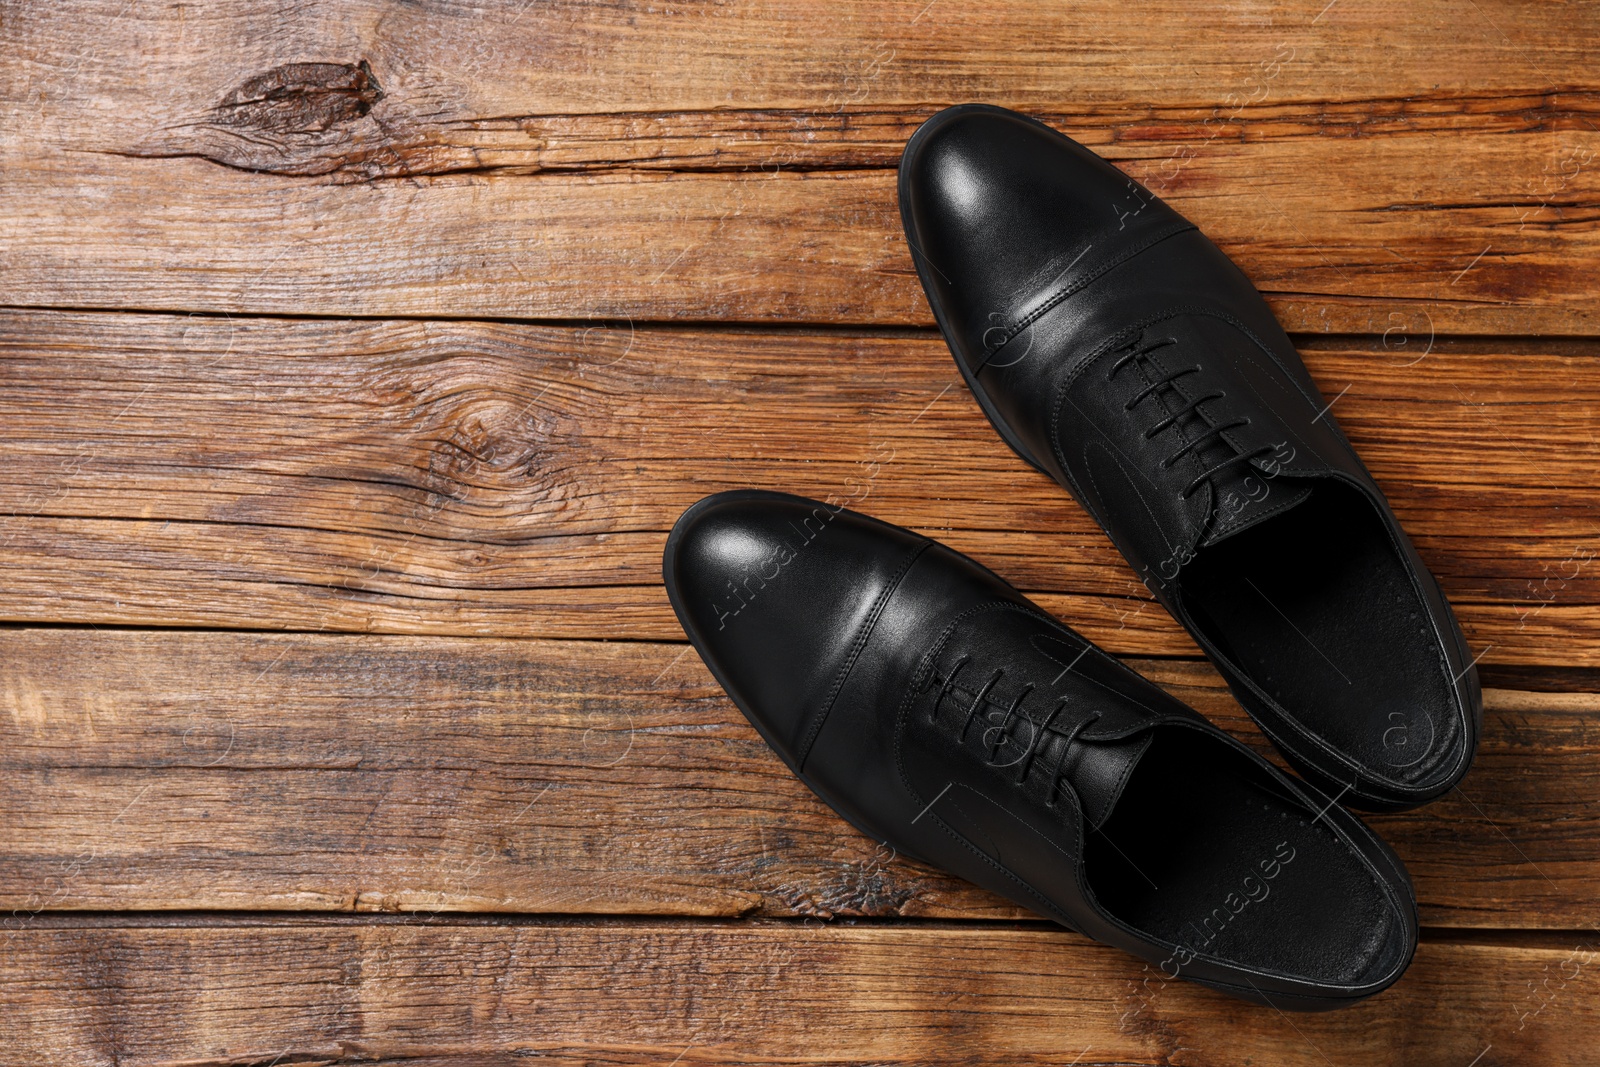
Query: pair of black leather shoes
{"x": 1118, "y": 350}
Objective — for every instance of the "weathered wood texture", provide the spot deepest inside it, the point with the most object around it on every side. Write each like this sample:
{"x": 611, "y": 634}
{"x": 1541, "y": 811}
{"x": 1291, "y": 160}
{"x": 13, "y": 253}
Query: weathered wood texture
{"x": 451, "y": 512}
{"x": 1371, "y": 165}
{"x": 501, "y": 479}
{"x": 659, "y": 993}
{"x": 164, "y": 770}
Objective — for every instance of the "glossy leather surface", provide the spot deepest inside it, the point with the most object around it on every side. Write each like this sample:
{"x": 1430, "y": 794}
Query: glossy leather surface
{"x": 938, "y": 710}
{"x": 1118, "y": 350}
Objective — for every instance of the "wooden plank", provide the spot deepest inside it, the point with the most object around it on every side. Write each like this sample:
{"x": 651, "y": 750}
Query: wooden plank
{"x": 497, "y": 57}
{"x": 171, "y": 770}
{"x": 1371, "y": 170}
{"x": 502, "y": 479}
{"x": 1406, "y": 175}
{"x": 650, "y": 992}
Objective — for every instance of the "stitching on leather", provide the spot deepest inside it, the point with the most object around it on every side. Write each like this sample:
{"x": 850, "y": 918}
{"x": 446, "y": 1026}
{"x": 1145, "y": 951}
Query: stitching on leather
{"x": 1371, "y": 862}
{"x": 1074, "y": 861}
{"x": 1060, "y": 398}
{"x": 1034, "y": 612}
{"x": 1074, "y": 286}
{"x": 926, "y": 666}
{"x": 1267, "y": 708}
{"x": 1269, "y": 714}
{"x": 1069, "y": 920}
{"x": 1120, "y": 339}
{"x": 954, "y": 803}
{"x": 1417, "y": 572}
{"x": 1282, "y": 505}
{"x": 932, "y": 656}
{"x": 928, "y": 660}
{"x": 994, "y": 705}
{"x": 1266, "y": 350}
{"x": 1088, "y": 471}
{"x": 867, "y": 626}
{"x": 1112, "y": 661}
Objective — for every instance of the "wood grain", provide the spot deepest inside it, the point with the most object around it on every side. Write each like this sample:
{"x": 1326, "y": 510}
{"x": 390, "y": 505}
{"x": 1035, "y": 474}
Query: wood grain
{"x": 1372, "y": 168}
{"x": 171, "y": 770}
{"x": 484, "y": 806}
{"x": 652, "y": 992}
{"x": 502, "y": 479}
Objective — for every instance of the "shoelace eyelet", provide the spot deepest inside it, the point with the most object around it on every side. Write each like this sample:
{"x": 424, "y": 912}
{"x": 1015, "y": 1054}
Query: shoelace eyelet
{"x": 1040, "y": 729}
{"x": 1213, "y": 432}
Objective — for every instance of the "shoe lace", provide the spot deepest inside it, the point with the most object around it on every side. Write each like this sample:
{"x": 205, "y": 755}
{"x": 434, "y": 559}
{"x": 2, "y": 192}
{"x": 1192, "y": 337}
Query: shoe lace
{"x": 1002, "y": 730}
{"x": 1165, "y": 379}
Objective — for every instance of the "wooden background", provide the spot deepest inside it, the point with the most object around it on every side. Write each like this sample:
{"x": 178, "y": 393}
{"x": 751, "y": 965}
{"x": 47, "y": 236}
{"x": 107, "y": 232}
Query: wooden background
{"x": 358, "y": 357}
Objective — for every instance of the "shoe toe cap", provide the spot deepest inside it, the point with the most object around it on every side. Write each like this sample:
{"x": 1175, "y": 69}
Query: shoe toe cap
{"x": 774, "y": 591}
{"x": 998, "y": 207}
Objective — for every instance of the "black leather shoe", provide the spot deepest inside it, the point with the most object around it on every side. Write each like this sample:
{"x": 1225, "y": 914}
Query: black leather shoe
{"x": 939, "y": 711}
{"x": 1116, "y": 349}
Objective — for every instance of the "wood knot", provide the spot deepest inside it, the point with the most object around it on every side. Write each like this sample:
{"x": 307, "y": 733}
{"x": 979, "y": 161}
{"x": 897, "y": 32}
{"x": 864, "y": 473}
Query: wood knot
{"x": 303, "y": 119}
{"x": 301, "y": 98}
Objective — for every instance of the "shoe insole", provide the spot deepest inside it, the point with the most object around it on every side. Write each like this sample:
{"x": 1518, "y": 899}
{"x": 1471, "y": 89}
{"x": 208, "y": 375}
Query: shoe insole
{"x": 1315, "y": 606}
{"x": 1202, "y": 851}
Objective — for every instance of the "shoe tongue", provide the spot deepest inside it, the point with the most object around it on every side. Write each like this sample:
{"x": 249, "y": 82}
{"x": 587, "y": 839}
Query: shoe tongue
{"x": 1055, "y": 667}
{"x": 1103, "y": 772}
{"x": 1244, "y": 495}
